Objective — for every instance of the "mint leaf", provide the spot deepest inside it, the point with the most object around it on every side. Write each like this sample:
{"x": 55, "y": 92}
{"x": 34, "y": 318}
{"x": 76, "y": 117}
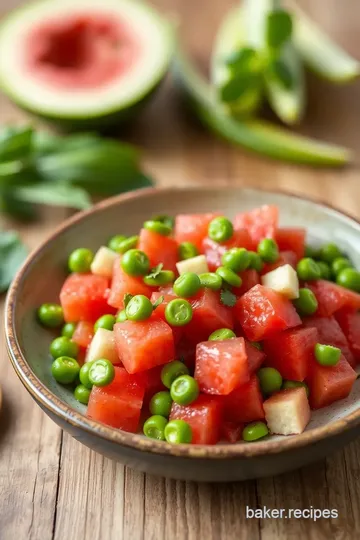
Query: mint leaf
{"x": 154, "y": 272}
{"x": 281, "y": 73}
{"x": 12, "y": 254}
{"x": 127, "y": 298}
{"x": 54, "y": 195}
{"x": 239, "y": 85}
{"x": 15, "y": 142}
{"x": 244, "y": 60}
{"x": 158, "y": 302}
{"x": 228, "y": 298}
{"x": 278, "y": 28}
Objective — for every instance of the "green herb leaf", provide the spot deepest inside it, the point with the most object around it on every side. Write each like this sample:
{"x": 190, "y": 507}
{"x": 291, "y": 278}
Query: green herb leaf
{"x": 18, "y": 209}
{"x": 155, "y": 271}
{"x": 281, "y": 73}
{"x": 15, "y": 142}
{"x": 228, "y": 298}
{"x": 12, "y": 254}
{"x": 158, "y": 302}
{"x": 54, "y": 194}
{"x": 238, "y": 86}
{"x": 244, "y": 60}
{"x": 127, "y": 298}
{"x": 278, "y": 28}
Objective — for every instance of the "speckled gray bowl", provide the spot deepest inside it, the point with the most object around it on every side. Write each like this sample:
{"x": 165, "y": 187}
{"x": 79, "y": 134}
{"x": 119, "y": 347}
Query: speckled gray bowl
{"x": 40, "y": 280}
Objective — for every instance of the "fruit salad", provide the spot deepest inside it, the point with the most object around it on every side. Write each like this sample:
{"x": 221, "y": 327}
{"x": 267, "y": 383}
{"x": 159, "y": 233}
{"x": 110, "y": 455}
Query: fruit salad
{"x": 202, "y": 329}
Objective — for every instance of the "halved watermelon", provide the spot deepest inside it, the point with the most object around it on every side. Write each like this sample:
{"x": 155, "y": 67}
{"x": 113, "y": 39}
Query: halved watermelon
{"x": 83, "y": 63}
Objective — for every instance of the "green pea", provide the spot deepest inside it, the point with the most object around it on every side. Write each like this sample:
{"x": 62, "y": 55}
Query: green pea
{"x": 349, "y": 278}
{"x": 84, "y": 375}
{"x": 80, "y": 260}
{"x": 307, "y": 303}
{"x": 172, "y": 371}
{"x": 164, "y": 277}
{"x": 121, "y": 316}
{"x": 329, "y": 252}
{"x": 255, "y": 261}
{"x": 127, "y": 244}
{"x": 229, "y": 276}
{"x": 68, "y": 330}
{"x": 101, "y": 372}
{"x": 220, "y": 229}
{"x": 161, "y": 403}
{"x": 339, "y": 264}
{"x": 154, "y": 427}
{"x": 51, "y": 315}
{"x": 164, "y": 218}
{"x": 237, "y": 259}
{"x": 158, "y": 227}
{"x": 65, "y": 370}
{"x": 82, "y": 394}
{"x": 115, "y": 242}
{"x": 325, "y": 272}
{"x": 139, "y": 308}
{"x": 308, "y": 270}
{"x": 178, "y": 312}
{"x": 311, "y": 252}
{"x": 62, "y": 346}
{"x": 178, "y": 432}
{"x": 135, "y": 263}
{"x": 187, "y": 250}
{"x": 106, "y": 321}
{"x": 296, "y": 384}
{"x": 184, "y": 390}
{"x": 210, "y": 280}
{"x": 255, "y": 431}
{"x": 187, "y": 285}
{"x": 268, "y": 250}
{"x": 327, "y": 355}
{"x": 221, "y": 334}
{"x": 270, "y": 380}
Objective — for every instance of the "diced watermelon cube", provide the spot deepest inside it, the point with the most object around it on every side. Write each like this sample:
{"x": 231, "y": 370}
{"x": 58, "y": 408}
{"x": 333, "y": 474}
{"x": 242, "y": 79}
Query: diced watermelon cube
{"x": 142, "y": 345}
{"x": 349, "y": 321}
{"x": 209, "y": 314}
{"x": 159, "y": 249}
{"x": 84, "y": 332}
{"x": 262, "y": 312}
{"x": 285, "y": 257}
{"x": 118, "y": 404}
{"x": 332, "y": 297}
{"x": 231, "y": 431}
{"x": 193, "y": 228}
{"x": 83, "y": 297}
{"x": 250, "y": 278}
{"x": 329, "y": 384}
{"x": 221, "y": 366}
{"x": 260, "y": 223}
{"x": 122, "y": 283}
{"x": 160, "y": 310}
{"x": 255, "y": 357}
{"x": 214, "y": 251}
{"x": 330, "y": 333}
{"x": 291, "y": 239}
{"x": 245, "y": 403}
{"x": 153, "y": 383}
{"x": 204, "y": 417}
{"x": 291, "y": 352}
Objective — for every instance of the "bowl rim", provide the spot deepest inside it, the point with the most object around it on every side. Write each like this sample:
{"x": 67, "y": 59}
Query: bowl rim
{"x": 48, "y": 400}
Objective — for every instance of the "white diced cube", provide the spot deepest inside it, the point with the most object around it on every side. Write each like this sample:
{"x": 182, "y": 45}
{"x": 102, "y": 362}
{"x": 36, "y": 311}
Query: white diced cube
{"x": 197, "y": 265}
{"x": 103, "y": 262}
{"x": 287, "y": 412}
{"x": 283, "y": 280}
{"x": 103, "y": 346}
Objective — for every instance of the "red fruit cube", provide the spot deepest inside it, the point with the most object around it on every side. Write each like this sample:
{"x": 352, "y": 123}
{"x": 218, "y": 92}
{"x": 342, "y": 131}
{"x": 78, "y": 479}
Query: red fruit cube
{"x": 263, "y": 312}
{"x": 349, "y": 321}
{"x": 250, "y": 278}
{"x": 255, "y": 357}
{"x": 204, "y": 417}
{"x": 260, "y": 223}
{"x": 291, "y": 352}
{"x": 214, "y": 251}
{"x": 330, "y": 333}
{"x": 83, "y": 297}
{"x": 118, "y": 404}
{"x": 328, "y": 384}
{"x": 245, "y": 403}
{"x": 221, "y": 366}
{"x": 332, "y": 297}
{"x": 142, "y": 345}
{"x": 285, "y": 257}
{"x": 193, "y": 228}
{"x": 153, "y": 383}
{"x": 122, "y": 284}
{"x": 231, "y": 431}
{"x": 84, "y": 332}
{"x": 291, "y": 239}
{"x": 159, "y": 249}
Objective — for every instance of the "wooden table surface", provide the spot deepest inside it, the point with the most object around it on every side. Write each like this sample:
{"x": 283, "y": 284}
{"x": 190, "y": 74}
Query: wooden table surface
{"x": 53, "y": 487}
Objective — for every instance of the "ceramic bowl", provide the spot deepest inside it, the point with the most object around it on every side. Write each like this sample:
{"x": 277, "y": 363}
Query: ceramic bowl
{"x": 40, "y": 280}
